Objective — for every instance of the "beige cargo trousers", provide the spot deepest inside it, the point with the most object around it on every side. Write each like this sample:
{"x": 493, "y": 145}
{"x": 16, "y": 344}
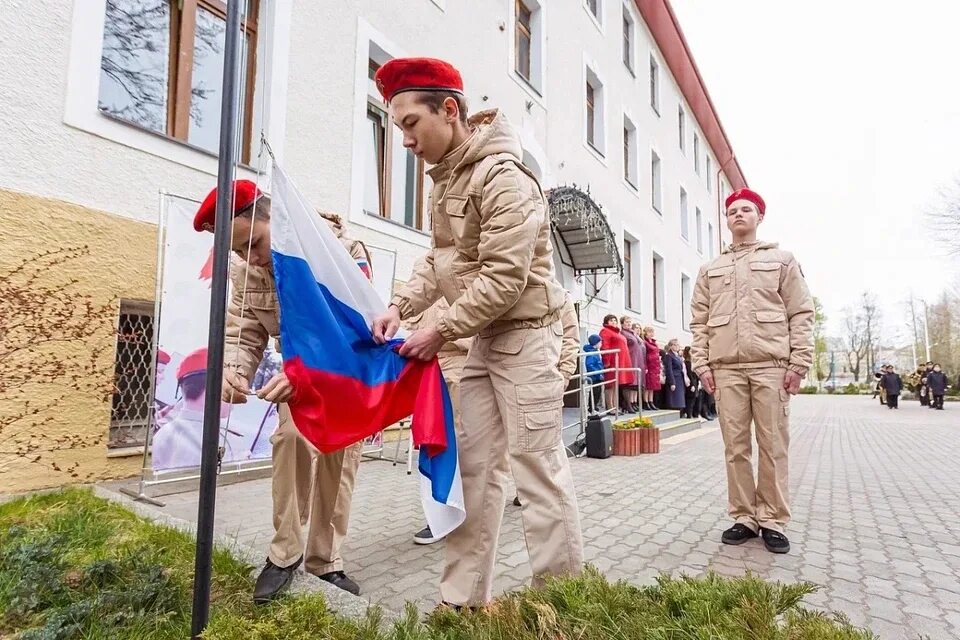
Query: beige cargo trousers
{"x": 510, "y": 399}
{"x": 755, "y": 396}
{"x": 312, "y": 491}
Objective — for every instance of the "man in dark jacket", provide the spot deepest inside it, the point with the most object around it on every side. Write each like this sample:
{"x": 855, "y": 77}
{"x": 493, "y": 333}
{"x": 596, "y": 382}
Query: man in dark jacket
{"x": 937, "y": 384}
{"x": 893, "y": 385}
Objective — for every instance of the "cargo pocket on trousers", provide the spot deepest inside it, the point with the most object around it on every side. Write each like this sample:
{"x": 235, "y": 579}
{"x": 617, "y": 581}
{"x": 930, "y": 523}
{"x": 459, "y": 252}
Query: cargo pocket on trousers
{"x": 538, "y": 406}
{"x": 785, "y": 401}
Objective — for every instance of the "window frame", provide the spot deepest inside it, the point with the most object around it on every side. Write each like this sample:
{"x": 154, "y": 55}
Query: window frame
{"x": 523, "y": 30}
{"x": 684, "y": 215}
{"x": 709, "y": 171}
{"x": 631, "y": 173}
{"x": 385, "y": 177}
{"x": 632, "y": 289}
{"x": 696, "y": 153}
{"x": 183, "y": 20}
{"x": 658, "y": 271}
{"x": 682, "y": 128}
{"x": 686, "y": 298}
{"x": 654, "y": 85}
{"x": 698, "y": 220}
{"x": 656, "y": 182}
{"x": 629, "y": 41}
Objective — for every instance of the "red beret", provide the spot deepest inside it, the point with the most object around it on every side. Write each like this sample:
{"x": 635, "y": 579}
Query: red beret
{"x": 194, "y": 363}
{"x": 163, "y": 357}
{"x": 244, "y": 194}
{"x": 417, "y": 74}
{"x": 747, "y": 194}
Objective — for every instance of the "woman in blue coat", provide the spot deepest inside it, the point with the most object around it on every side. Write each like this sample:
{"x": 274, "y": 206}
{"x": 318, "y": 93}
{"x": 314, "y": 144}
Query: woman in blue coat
{"x": 673, "y": 371}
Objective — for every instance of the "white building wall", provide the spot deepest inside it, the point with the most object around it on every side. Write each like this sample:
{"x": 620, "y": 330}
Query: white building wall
{"x": 314, "y": 86}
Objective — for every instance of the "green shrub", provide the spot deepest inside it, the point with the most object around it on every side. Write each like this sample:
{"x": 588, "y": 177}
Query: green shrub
{"x": 808, "y": 390}
{"x": 851, "y": 389}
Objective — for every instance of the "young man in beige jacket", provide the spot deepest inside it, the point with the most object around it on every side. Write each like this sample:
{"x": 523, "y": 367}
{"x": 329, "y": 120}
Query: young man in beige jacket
{"x": 752, "y": 323}
{"x": 308, "y": 486}
{"x": 492, "y": 260}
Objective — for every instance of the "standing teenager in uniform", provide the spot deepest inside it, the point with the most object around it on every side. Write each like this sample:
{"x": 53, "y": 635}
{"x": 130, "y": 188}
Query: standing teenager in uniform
{"x": 752, "y": 326}
{"x": 307, "y": 485}
{"x": 893, "y": 386}
{"x": 492, "y": 260}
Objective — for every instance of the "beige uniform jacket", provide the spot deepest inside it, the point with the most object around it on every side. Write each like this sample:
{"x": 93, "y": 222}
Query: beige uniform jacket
{"x": 253, "y": 315}
{"x": 570, "y": 345}
{"x": 491, "y": 255}
{"x": 751, "y": 308}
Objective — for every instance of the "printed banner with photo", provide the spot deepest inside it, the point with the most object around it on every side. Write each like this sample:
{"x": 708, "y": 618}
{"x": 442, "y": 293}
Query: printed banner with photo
{"x": 245, "y": 429}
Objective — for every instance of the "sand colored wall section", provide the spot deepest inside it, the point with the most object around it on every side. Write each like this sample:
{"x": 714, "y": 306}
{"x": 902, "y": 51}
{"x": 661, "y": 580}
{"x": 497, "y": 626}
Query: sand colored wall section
{"x": 63, "y": 270}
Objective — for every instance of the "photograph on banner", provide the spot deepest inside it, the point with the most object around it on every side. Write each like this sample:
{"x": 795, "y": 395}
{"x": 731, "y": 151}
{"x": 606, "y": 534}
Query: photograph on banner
{"x": 245, "y": 429}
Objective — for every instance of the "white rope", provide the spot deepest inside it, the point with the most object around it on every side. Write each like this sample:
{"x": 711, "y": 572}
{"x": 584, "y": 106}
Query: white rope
{"x": 261, "y": 158}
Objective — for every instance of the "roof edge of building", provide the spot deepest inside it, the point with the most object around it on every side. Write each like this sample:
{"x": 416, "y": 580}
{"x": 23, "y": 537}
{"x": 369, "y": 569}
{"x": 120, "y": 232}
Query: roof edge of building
{"x": 666, "y": 31}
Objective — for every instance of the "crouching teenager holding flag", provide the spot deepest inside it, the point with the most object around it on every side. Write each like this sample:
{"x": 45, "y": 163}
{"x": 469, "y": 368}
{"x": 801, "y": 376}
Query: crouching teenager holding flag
{"x": 492, "y": 260}
{"x": 307, "y": 485}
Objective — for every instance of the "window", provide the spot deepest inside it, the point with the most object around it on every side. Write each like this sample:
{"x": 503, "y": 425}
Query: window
{"x": 709, "y": 172}
{"x": 658, "y": 293}
{"x": 684, "y": 215}
{"x": 654, "y": 85}
{"x": 696, "y": 152}
{"x": 594, "y": 288}
{"x": 698, "y": 218}
{"x": 594, "y": 109}
{"x": 628, "y": 30}
{"x": 629, "y": 152}
{"x": 393, "y": 185}
{"x": 132, "y": 391}
{"x": 685, "y": 295}
{"x": 710, "y": 240}
{"x": 631, "y": 273}
{"x": 528, "y": 43}
{"x": 655, "y": 180}
{"x": 594, "y": 7}
{"x": 162, "y": 69}
{"x": 682, "y": 128}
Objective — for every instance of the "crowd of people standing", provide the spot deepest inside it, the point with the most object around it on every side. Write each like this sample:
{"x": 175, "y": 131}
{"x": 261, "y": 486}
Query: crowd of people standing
{"x": 929, "y": 382}
{"x": 634, "y": 372}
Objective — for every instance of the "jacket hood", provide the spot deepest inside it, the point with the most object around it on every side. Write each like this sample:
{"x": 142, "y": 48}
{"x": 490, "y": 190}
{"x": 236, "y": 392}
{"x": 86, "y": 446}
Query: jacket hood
{"x": 336, "y": 222}
{"x": 493, "y": 134}
{"x": 746, "y": 246}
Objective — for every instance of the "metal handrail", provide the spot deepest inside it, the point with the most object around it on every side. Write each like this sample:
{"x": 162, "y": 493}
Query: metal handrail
{"x": 583, "y": 389}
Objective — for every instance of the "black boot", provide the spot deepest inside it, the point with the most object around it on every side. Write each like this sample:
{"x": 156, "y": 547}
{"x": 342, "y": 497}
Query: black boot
{"x": 273, "y": 581}
{"x": 774, "y": 541}
{"x": 340, "y": 580}
{"x": 737, "y": 534}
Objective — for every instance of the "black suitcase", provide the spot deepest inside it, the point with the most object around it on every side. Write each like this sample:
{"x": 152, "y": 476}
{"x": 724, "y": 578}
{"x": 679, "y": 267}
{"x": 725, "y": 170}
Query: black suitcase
{"x": 599, "y": 437}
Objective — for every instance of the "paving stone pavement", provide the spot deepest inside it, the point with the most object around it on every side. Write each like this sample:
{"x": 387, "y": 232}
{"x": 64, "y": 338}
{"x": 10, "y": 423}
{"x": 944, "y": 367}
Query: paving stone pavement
{"x": 875, "y": 518}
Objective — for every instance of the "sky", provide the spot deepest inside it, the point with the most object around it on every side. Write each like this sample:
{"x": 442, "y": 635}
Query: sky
{"x": 845, "y": 116}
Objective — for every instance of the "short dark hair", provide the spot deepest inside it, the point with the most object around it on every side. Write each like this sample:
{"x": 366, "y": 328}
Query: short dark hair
{"x": 607, "y": 318}
{"x": 261, "y": 204}
{"x": 194, "y": 385}
{"x": 434, "y": 101}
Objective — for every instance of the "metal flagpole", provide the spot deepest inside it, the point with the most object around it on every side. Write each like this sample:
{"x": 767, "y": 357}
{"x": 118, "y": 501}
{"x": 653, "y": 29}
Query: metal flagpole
{"x": 218, "y": 300}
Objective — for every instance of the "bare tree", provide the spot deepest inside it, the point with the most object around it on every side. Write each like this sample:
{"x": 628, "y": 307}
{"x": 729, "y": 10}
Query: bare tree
{"x": 871, "y": 313}
{"x": 943, "y": 218}
{"x": 854, "y": 341}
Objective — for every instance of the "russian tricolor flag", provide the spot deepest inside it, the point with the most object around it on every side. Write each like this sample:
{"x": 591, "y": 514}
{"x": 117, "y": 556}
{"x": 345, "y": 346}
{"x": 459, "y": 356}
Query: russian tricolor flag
{"x": 347, "y": 387}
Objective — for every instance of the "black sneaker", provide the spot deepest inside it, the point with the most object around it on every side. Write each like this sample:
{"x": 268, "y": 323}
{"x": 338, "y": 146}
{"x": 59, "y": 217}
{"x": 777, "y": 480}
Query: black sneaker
{"x": 425, "y": 536}
{"x": 737, "y": 534}
{"x": 340, "y": 580}
{"x": 774, "y": 541}
{"x": 273, "y": 581}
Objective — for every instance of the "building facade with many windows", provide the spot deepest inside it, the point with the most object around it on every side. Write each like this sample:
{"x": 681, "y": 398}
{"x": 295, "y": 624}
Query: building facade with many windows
{"x": 119, "y": 100}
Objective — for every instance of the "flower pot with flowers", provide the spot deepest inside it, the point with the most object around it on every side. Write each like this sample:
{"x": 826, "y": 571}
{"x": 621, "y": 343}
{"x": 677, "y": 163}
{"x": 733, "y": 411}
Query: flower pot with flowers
{"x": 635, "y": 436}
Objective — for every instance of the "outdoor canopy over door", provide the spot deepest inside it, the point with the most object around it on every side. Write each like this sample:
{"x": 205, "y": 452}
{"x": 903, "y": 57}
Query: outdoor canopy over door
{"x": 581, "y": 233}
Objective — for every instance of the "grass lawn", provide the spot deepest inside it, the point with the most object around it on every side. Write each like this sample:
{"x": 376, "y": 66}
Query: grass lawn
{"x": 75, "y": 566}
